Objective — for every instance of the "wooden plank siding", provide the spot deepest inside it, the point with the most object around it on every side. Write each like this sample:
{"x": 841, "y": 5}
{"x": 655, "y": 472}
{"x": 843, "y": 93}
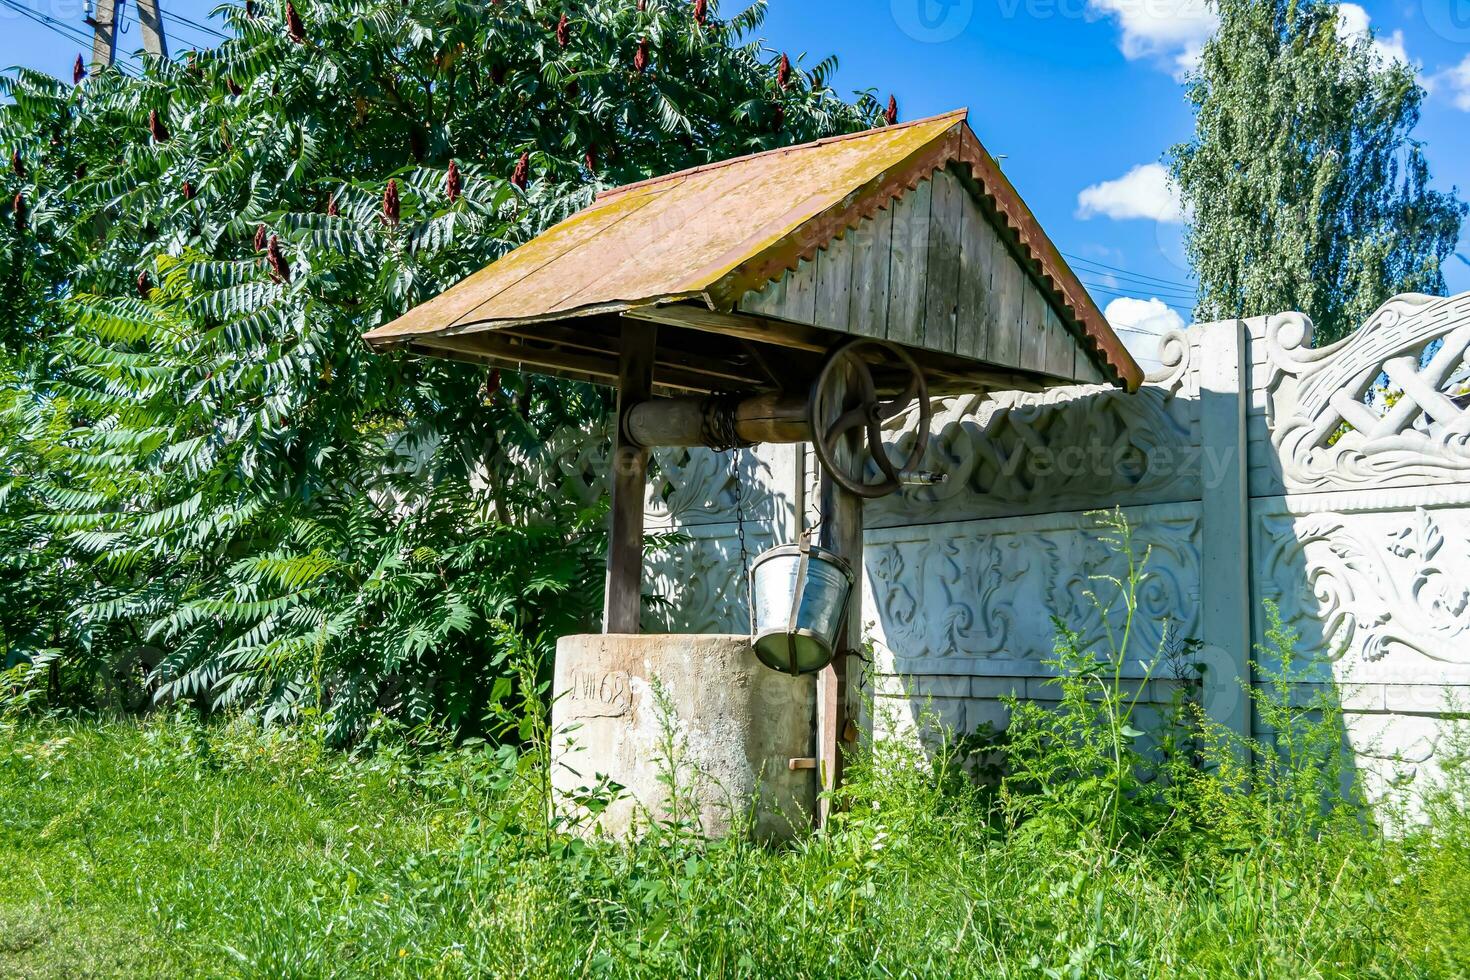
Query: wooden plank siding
{"x": 872, "y": 241}
{"x": 942, "y": 291}
{"x": 931, "y": 271}
{"x": 834, "y": 277}
{"x": 908, "y": 268}
{"x": 977, "y": 316}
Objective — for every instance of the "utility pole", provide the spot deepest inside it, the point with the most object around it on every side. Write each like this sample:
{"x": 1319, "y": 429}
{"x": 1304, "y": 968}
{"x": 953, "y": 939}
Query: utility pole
{"x": 104, "y": 34}
{"x": 104, "y": 20}
{"x": 150, "y": 18}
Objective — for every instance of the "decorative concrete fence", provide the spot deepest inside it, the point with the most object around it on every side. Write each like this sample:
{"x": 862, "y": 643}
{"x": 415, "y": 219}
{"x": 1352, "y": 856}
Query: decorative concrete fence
{"x": 1334, "y": 482}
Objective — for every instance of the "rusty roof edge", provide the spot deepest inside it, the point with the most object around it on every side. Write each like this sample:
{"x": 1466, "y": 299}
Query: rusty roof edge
{"x": 1056, "y": 276}
{"x": 824, "y": 226}
{"x": 957, "y": 114}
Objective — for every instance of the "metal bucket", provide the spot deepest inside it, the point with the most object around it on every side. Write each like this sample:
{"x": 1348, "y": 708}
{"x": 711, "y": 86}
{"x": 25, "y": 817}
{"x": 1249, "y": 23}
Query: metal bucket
{"x": 798, "y": 598}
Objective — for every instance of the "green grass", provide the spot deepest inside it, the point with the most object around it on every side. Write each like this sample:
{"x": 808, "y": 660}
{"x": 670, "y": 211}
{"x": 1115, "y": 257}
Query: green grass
{"x": 170, "y": 848}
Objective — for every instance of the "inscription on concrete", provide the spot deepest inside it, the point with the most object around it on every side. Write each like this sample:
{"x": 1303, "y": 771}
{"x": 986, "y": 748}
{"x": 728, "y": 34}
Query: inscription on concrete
{"x": 596, "y": 693}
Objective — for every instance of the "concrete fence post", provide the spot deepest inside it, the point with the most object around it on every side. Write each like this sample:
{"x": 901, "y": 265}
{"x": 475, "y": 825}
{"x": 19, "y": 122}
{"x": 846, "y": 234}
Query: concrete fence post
{"x": 1225, "y": 593}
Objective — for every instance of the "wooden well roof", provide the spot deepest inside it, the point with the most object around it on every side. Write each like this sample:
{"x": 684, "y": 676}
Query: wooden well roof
{"x": 695, "y": 250}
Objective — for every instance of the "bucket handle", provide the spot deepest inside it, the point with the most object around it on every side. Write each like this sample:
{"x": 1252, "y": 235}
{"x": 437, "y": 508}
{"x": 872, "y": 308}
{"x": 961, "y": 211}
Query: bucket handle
{"x": 805, "y": 546}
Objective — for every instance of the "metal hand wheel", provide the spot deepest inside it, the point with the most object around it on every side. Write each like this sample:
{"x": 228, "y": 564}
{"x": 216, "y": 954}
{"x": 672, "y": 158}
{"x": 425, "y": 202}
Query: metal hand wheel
{"x": 860, "y": 406}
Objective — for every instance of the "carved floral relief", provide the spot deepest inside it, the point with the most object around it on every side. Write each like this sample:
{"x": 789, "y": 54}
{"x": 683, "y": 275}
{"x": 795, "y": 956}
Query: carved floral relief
{"x": 990, "y": 592}
{"x": 1385, "y": 595}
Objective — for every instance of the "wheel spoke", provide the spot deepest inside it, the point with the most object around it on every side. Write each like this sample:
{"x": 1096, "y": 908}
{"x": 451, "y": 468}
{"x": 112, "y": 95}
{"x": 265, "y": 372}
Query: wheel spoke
{"x": 889, "y": 409}
{"x": 847, "y": 421}
{"x": 868, "y": 414}
{"x": 867, "y": 389}
{"x": 879, "y": 452}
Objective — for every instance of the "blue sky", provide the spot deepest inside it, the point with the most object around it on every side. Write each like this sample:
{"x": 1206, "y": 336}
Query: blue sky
{"x": 1080, "y": 97}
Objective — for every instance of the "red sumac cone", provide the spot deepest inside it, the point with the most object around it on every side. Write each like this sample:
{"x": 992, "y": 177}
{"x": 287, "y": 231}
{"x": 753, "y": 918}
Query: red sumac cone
{"x": 145, "y": 285}
{"x": 156, "y": 127}
{"x": 390, "y": 203}
{"x": 260, "y": 238}
{"x": 452, "y": 183}
{"x": 187, "y": 190}
{"x": 890, "y": 115}
{"x": 17, "y": 164}
{"x": 590, "y": 159}
{"x": 521, "y": 176}
{"x": 333, "y": 211}
{"x": 295, "y": 29}
{"x": 642, "y": 5}
{"x": 18, "y": 211}
{"x": 78, "y": 71}
{"x": 280, "y": 271}
{"x": 563, "y": 31}
{"x": 233, "y": 86}
{"x": 640, "y": 60}
{"x": 701, "y": 12}
{"x": 783, "y": 72}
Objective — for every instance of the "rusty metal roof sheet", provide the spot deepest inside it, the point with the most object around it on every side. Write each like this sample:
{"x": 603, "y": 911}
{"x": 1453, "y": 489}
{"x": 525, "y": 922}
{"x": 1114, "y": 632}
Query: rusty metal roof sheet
{"x": 712, "y": 233}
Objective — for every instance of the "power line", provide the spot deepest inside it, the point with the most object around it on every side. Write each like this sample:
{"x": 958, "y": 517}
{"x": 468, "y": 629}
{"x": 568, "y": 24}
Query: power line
{"x": 1117, "y": 290}
{"x": 204, "y": 29}
{"x": 1119, "y": 325}
{"x": 60, "y": 28}
{"x": 1138, "y": 281}
{"x": 1124, "y": 289}
{"x": 191, "y": 40}
{"x": 1166, "y": 300}
{"x": 1125, "y": 272}
{"x": 51, "y": 23}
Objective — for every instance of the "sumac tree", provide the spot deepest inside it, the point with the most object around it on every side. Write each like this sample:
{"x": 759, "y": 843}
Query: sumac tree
{"x": 211, "y": 479}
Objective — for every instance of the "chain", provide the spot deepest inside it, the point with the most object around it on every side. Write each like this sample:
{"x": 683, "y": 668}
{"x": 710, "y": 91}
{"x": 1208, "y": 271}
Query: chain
{"x": 717, "y": 425}
{"x": 740, "y": 523}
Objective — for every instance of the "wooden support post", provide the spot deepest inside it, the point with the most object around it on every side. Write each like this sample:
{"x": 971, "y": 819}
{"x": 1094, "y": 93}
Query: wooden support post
{"x": 622, "y": 600}
{"x": 841, "y": 531}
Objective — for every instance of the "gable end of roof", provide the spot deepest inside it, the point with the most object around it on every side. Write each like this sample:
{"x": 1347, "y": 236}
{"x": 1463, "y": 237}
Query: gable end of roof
{"x": 1010, "y": 216}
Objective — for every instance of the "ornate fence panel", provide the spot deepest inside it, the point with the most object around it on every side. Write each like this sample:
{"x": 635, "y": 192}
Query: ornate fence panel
{"x": 1360, "y": 515}
{"x": 1333, "y": 482}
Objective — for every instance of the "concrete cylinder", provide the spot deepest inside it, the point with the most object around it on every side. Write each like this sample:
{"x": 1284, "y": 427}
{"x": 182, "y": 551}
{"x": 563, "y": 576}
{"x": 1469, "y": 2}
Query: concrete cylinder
{"x": 639, "y": 709}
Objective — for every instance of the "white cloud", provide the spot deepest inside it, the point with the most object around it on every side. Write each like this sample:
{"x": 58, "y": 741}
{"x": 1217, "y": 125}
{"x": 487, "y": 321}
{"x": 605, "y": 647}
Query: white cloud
{"x": 1143, "y": 192}
{"x": 1139, "y": 323}
{"x": 1173, "y": 31}
{"x": 1353, "y": 22}
{"x": 1456, "y": 82}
